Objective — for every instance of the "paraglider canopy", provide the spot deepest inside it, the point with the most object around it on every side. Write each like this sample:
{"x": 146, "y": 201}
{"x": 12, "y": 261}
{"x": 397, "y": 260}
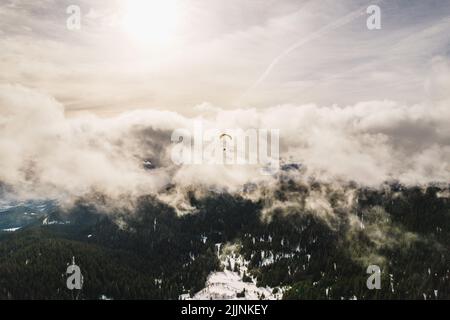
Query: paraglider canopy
{"x": 223, "y": 135}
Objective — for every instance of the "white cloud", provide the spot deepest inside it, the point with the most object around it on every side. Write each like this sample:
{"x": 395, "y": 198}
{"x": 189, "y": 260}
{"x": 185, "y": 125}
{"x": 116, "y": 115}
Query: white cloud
{"x": 350, "y": 103}
{"x": 46, "y": 153}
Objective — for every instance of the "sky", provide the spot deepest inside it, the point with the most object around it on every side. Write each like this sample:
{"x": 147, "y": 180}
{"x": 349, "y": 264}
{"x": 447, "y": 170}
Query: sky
{"x": 81, "y": 109}
{"x": 218, "y": 52}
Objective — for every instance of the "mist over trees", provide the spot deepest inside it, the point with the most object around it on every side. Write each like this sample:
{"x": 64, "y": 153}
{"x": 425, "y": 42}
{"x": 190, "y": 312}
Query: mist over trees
{"x": 151, "y": 252}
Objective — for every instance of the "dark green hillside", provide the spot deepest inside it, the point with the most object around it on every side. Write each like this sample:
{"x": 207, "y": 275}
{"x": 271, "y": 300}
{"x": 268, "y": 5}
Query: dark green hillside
{"x": 155, "y": 254}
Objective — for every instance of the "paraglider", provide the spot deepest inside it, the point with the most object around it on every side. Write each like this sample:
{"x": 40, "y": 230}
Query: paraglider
{"x": 223, "y": 138}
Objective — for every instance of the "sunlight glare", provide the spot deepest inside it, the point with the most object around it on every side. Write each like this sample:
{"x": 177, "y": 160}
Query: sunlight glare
{"x": 151, "y": 21}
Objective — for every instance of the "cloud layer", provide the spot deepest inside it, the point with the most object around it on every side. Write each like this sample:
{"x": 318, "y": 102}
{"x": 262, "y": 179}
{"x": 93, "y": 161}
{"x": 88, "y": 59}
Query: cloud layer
{"x": 46, "y": 153}
{"x": 379, "y": 99}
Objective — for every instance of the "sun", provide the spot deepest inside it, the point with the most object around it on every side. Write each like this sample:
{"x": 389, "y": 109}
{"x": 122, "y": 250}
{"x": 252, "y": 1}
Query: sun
{"x": 151, "y": 21}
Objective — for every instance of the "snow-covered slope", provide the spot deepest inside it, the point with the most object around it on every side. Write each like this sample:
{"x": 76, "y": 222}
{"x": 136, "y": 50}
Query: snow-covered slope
{"x": 229, "y": 283}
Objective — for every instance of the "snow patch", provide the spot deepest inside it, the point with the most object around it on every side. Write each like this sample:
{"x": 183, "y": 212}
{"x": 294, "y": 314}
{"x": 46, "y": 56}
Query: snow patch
{"x": 11, "y": 229}
{"x": 229, "y": 284}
